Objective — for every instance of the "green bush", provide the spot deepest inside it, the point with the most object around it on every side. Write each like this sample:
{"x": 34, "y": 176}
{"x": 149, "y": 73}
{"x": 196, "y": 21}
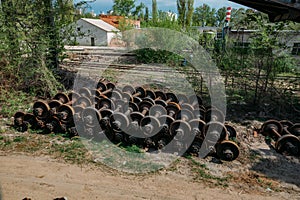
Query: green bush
{"x": 148, "y": 55}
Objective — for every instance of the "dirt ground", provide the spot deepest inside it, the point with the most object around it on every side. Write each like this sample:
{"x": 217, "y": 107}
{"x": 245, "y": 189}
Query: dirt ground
{"x": 31, "y": 167}
{"x": 43, "y": 178}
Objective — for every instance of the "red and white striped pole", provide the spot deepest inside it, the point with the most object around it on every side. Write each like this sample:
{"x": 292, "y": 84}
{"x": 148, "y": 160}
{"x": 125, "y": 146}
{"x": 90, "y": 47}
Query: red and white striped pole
{"x": 226, "y": 24}
{"x": 228, "y": 15}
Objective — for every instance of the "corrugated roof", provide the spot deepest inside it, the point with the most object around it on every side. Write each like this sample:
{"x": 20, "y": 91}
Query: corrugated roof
{"x": 101, "y": 24}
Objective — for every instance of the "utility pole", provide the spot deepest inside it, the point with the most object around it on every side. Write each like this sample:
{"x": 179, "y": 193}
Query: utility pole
{"x": 226, "y": 26}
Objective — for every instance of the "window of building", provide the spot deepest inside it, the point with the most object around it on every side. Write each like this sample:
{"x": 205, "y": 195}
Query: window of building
{"x": 78, "y": 29}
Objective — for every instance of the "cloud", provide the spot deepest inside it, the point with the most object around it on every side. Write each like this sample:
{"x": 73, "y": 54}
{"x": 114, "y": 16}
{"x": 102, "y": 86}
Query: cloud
{"x": 166, "y": 5}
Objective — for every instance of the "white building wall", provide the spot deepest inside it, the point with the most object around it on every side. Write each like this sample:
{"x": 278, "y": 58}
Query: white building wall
{"x": 111, "y": 35}
{"x": 86, "y": 31}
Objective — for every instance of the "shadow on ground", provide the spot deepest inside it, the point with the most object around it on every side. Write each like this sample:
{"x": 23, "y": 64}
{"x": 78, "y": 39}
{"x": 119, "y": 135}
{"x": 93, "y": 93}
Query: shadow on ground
{"x": 277, "y": 166}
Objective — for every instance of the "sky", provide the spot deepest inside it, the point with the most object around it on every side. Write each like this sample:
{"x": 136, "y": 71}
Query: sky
{"x": 100, "y": 6}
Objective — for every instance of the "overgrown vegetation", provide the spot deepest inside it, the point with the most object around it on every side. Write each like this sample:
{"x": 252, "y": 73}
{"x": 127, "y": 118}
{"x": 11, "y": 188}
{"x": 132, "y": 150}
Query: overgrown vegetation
{"x": 254, "y": 69}
{"x": 148, "y": 55}
{"x": 32, "y": 36}
{"x": 13, "y": 101}
{"x": 32, "y": 39}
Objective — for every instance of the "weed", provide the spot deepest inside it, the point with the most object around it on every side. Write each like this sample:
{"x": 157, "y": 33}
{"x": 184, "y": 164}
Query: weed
{"x": 111, "y": 74}
{"x": 225, "y": 185}
{"x": 173, "y": 166}
{"x": 259, "y": 180}
{"x": 201, "y": 174}
{"x": 74, "y": 152}
{"x": 266, "y": 183}
{"x": 269, "y": 184}
{"x": 194, "y": 162}
{"x": 7, "y": 142}
{"x": 253, "y": 155}
{"x": 19, "y": 139}
{"x": 133, "y": 149}
{"x": 2, "y": 131}
{"x": 13, "y": 102}
{"x": 52, "y": 135}
{"x": 31, "y": 131}
{"x": 234, "y": 139}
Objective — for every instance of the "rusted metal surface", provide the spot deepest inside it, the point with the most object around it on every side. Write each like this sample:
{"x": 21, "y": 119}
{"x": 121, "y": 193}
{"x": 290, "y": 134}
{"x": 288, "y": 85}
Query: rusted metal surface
{"x": 285, "y": 136}
{"x": 152, "y": 122}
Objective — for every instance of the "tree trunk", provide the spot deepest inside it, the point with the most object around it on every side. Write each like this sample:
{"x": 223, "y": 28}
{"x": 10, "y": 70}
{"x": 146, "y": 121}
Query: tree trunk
{"x": 255, "y": 101}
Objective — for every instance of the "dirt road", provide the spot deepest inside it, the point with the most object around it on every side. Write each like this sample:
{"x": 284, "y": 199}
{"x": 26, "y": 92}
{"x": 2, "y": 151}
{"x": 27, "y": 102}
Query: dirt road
{"x": 44, "y": 178}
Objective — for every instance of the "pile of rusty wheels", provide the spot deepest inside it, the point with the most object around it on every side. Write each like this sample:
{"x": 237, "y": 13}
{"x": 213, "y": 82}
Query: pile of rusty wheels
{"x": 135, "y": 116}
{"x": 284, "y": 136}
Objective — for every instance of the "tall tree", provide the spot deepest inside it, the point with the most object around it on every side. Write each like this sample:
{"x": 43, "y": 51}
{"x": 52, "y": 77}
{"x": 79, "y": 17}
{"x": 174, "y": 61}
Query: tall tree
{"x": 123, "y": 7}
{"x": 204, "y": 16}
{"x": 181, "y": 8}
{"x": 185, "y": 10}
{"x": 52, "y": 32}
{"x": 154, "y": 11}
{"x": 189, "y": 13}
{"x": 146, "y": 14}
{"x": 220, "y": 16}
{"x": 9, "y": 29}
{"x": 66, "y": 10}
{"x": 32, "y": 38}
{"x": 138, "y": 12}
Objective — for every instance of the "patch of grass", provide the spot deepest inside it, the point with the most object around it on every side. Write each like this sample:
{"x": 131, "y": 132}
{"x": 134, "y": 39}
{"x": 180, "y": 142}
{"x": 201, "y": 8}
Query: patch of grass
{"x": 2, "y": 131}
{"x": 133, "y": 149}
{"x": 266, "y": 183}
{"x": 19, "y": 139}
{"x": 52, "y": 135}
{"x": 31, "y": 131}
{"x": 73, "y": 151}
{"x": 5, "y": 142}
{"x": 173, "y": 166}
{"x": 111, "y": 74}
{"x": 195, "y": 163}
{"x": 201, "y": 173}
{"x": 14, "y": 101}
